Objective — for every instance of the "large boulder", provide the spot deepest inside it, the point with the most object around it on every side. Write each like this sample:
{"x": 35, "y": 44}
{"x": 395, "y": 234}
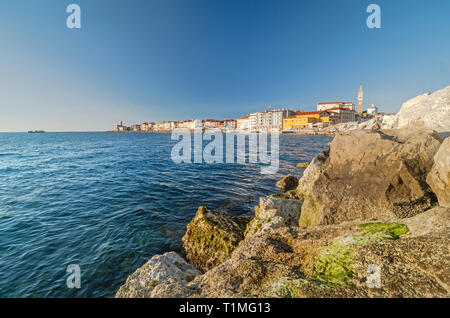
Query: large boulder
{"x": 274, "y": 211}
{"x": 440, "y": 174}
{"x": 405, "y": 258}
{"x": 370, "y": 175}
{"x": 160, "y": 269}
{"x": 431, "y": 110}
{"x": 211, "y": 237}
{"x": 288, "y": 183}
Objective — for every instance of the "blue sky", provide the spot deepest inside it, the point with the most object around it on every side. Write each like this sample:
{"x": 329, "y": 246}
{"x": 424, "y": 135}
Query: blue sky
{"x": 180, "y": 59}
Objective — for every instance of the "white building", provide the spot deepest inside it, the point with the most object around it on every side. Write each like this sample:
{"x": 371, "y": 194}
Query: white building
{"x": 229, "y": 123}
{"x": 372, "y": 110}
{"x": 252, "y": 119}
{"x": 271, "y": 119}
{"x": 196, "y": 124}
{"x": 243, "y": 123}
{"x": 343, "y": 115}
{"x": 330, "y": 105}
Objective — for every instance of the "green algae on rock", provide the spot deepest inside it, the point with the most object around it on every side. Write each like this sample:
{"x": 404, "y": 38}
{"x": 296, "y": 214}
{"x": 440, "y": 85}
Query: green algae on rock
{"x": 390, "y": 231}
{"x": 303, "y": 164}
{"x": 211, "y": 237}
{"x": 288, "y": 183}
{"x": 332, "y": 265}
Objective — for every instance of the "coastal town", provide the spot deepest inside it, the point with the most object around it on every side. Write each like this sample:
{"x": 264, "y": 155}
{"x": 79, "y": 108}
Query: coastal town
{"x": 281, "y": 120}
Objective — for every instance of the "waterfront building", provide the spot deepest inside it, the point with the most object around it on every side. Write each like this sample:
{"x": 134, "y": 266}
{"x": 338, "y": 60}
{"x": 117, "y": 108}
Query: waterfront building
{"x": 145, "y": 127}
{"x": 252, "y": 120}
{"x": 331, "y": 105}
{"x": 196, "y": 124}
{"x": 135, "y": 127}
{"x": 348, "y": 106}
{"x": 341, "y": 115}
{"x": 120, "y": 128}
{"x": 271, "y": 119}
{"x": 360, "y": 100}
{"x": 165, "y": 125}
{"x": 307, "y": 120}
{"x": 211, "y": 123}
{"x": 184, "y": 124}
{"x": 243, "y": 122}
{"x": 229, "y": 123}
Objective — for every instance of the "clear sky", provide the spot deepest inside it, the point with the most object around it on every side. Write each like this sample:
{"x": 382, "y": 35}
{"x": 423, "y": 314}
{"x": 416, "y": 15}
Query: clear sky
{"x": 155, "y": 60}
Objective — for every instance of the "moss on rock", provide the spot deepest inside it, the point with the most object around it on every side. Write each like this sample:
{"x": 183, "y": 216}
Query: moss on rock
{"x": 303, "y": 164}
{"x": 289, "y": 195}
{"x": 390, "y": 231}
{"x": 333, "y": 263}
{"x": 211, "y": 237}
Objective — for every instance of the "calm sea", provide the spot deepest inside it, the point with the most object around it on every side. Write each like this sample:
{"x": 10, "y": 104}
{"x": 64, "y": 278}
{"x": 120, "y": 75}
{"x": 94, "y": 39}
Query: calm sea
{"x": 108, "y": 202}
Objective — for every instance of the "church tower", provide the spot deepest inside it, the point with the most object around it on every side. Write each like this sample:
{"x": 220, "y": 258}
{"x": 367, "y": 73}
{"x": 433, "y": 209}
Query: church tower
{"x": 360, "y": 100}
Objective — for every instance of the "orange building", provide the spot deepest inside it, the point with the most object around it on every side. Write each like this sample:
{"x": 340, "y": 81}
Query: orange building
{"x": 303, "y": 119}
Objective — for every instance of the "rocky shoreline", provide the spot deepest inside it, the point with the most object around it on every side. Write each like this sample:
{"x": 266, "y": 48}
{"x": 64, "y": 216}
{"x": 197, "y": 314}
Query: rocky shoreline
{"x": 368, "y": 218}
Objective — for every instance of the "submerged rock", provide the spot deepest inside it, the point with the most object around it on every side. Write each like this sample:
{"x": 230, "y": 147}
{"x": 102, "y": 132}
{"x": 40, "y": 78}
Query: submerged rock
{"x": 211, "y": 237}
{"x": 370, "y": 175}
{"x": 440, "y": 174}
{"x": 288, "y": 183}
{"x": 160, "y": 269}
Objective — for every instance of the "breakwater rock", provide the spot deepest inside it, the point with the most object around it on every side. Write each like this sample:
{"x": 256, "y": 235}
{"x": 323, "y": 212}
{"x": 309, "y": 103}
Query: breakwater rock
{"x": 440, "y": 174}
{"x": 430, "y": 110}
{"x": 370, "y": 175}
{"x": 289, "y": 182}
{"x": 369, "y": 218}
{"x": 274, "y": 212}
{"x": 409, "y": 258}
{"x": 168, "y": 268}
{"x": 211, "y": 237}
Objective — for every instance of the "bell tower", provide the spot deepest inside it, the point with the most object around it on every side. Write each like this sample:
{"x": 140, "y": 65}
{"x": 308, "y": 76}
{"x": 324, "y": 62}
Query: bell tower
{"x": 360, "y": 100}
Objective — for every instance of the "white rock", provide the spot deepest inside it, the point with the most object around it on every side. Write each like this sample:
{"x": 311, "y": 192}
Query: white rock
{"x": 159, "y": 269}
{"x": 431, "y": 110}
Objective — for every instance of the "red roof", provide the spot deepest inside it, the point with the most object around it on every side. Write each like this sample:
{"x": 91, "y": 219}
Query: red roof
{"x": 330, "y": 103}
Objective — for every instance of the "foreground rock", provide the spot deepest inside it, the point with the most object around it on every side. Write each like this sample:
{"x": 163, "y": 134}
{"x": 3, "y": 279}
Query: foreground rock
{"x": 407, "y": 258}
{"x": 440, "y": 174}
{"x": 370, "y": 175}
{"x": 274, "y": 212}
{"x": 431, "y": 110}
{"x": 288, "y": 183}
{"x": 311, "y": 174}
{"x": 211, "y": 237}
{"x": 160, "y": 269}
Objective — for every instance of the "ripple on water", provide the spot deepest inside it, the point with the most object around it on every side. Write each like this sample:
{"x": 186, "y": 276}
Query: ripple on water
{"x": 108, "y": 202}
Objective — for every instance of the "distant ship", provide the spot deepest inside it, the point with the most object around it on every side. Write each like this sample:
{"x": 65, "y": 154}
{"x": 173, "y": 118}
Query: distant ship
{"x": 36, "y": 131}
